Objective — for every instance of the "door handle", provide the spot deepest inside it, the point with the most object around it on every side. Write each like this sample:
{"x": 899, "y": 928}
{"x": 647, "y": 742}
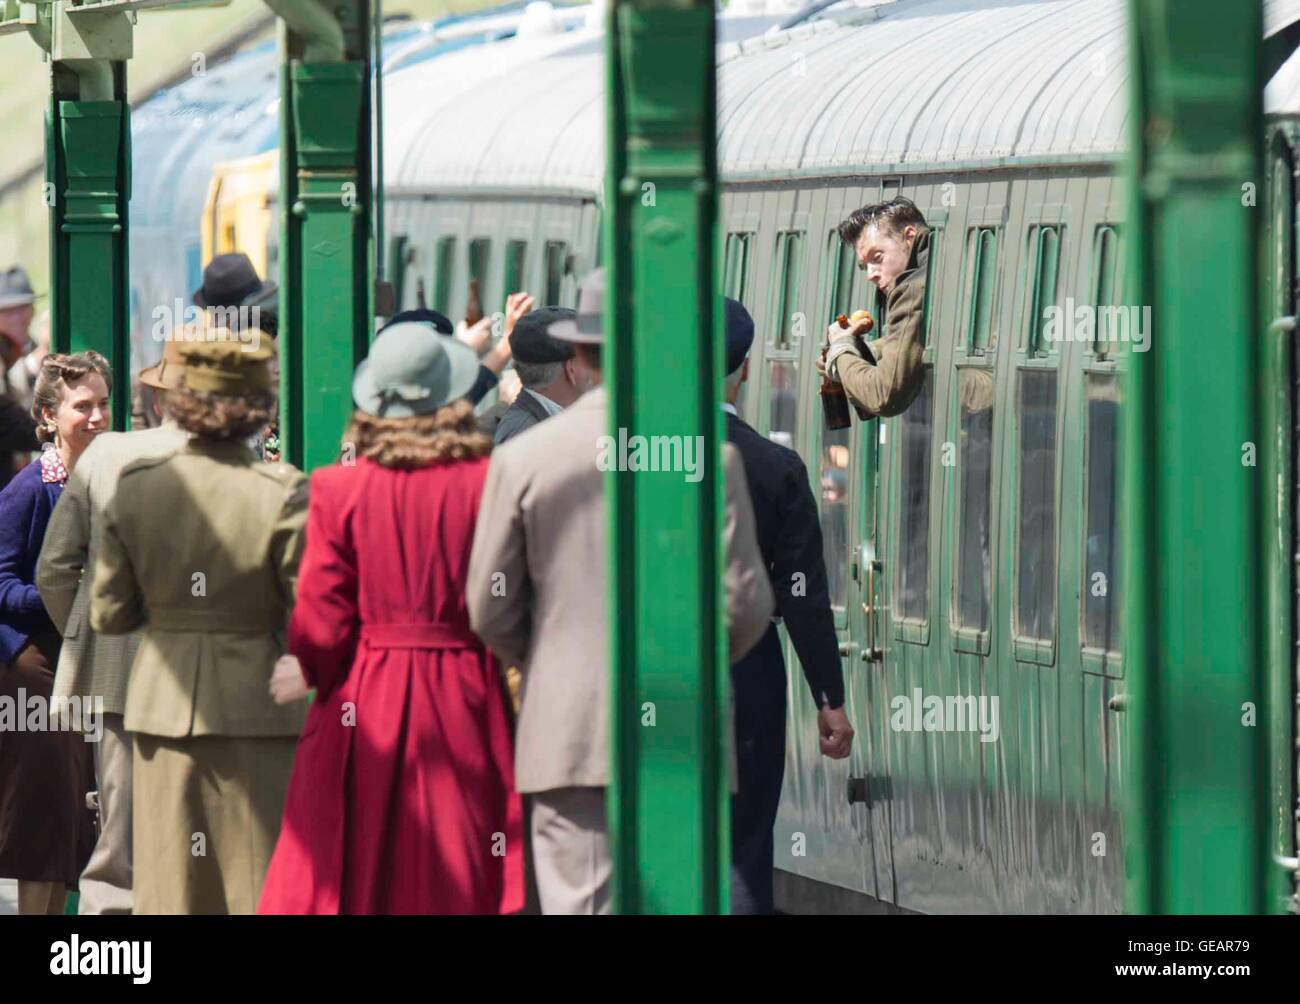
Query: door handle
{"x": 871, "y": 652}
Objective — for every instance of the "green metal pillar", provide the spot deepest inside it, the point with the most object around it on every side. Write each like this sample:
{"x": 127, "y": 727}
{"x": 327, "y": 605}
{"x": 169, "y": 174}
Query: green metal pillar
{"x": 88, "y": 156}
{"x": 668, "y": 799}
{"x": 327, "y": 266}
{"x": 1195, "y": 832}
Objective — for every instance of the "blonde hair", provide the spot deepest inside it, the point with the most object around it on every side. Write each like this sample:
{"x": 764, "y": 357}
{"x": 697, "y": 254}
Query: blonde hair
{"x": 446, "y": 435}
{"x": 58, "y": 371}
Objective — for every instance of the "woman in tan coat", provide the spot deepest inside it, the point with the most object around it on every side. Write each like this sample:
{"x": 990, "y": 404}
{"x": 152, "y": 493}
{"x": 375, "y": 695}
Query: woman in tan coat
{"x": 201, "y": 548}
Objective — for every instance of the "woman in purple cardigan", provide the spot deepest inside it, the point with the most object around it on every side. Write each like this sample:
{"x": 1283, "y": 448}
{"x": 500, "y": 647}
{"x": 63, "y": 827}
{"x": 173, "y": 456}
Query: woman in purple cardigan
{"x": 46, "y": 830}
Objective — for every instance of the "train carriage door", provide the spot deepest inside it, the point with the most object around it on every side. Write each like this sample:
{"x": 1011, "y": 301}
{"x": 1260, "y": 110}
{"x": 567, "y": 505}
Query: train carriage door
{"x": 847, "y": 476}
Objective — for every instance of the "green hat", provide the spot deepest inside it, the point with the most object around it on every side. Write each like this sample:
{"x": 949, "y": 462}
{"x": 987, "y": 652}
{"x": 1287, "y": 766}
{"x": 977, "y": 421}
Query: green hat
{"x": 223, "y": 364}
{"x": 413, "y": 370}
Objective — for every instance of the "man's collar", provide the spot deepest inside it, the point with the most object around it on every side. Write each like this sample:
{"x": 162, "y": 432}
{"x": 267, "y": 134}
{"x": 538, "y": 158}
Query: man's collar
{"x": 550, "y": 406}
{"x": 730, "y": 408}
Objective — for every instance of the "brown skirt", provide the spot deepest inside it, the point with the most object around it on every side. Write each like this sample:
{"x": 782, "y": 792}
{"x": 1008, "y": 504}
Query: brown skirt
{"x": 46, "y": 830}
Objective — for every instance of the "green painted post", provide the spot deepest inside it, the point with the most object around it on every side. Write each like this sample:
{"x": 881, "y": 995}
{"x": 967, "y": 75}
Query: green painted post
{"x": 668, "y": 808}
{"x": 328, "y": 261}
{"x": 1196, "y": 837}
{"x": 88, "y": 140}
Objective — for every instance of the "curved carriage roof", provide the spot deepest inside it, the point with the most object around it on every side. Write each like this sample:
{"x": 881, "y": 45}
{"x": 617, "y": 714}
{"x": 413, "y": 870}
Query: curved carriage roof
{"x": 903, "y": 86}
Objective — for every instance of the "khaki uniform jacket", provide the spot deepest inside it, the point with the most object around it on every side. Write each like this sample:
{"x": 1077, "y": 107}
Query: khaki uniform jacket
{"x": 542, "y": 526}
{"x": 201, "y": 550}
{"x": 889, "y": 386}
{"x": 91, "y": 664}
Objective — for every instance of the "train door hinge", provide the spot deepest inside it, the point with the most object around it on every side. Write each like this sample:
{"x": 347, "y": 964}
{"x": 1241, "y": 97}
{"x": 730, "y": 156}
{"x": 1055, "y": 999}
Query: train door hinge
{"x": 870, "y": 789}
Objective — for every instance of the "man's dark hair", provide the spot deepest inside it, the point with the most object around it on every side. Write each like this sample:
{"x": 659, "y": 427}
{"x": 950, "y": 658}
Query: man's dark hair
{"x": 891, "y": 216}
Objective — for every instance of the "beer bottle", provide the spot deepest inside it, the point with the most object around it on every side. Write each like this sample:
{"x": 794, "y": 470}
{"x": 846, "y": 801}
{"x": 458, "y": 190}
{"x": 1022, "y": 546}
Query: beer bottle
{"x": 835, "y": 402}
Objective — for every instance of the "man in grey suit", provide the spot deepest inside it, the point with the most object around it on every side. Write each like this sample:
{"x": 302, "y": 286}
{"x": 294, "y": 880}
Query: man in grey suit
{"x": 546, "y": 369}
{"x": 536, "y": 596}
{"x": 93, "y": 665}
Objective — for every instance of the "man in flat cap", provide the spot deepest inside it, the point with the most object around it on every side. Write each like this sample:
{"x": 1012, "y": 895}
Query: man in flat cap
{"x": 790, "y": 537}
{"x": 547, "y": 370}
{"x": 536, "y": 596}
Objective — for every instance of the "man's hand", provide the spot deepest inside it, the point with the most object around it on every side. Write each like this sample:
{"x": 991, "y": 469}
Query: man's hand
{"x": 287, "y": 682}
{"x": 509, "y": 387}
{"x": 517, "y": 305}
{"x": 836, "y": 732}
{"x": 478, "y": 336}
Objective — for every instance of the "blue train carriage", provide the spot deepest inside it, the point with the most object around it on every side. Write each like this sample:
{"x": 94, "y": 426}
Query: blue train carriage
{"x": 972, "y": 542}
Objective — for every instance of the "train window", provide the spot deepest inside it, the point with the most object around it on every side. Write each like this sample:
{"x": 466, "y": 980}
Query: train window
{"x": 975, "y": 473}
{"x": 783, "y": 401}
{"x": 1105, "y": 267}
{"x": 397, "y": 268}
{"x": 736, "y": 267}
{"x": 1036, "y": 528}
{"x": 912, "y": 586}
{"x": 984, "y": 275}
{"x": 845, "y": 261}
{"x": 1101, "y": 607}
{"x": 788, "y": 246}
{"x": 1046, "y": 258}
{"x": 444, "y": 265}
{"x": 833, "y": 478}
{"x": 479, "y": 250}
{"x": 557, "y": 253}
{"x": 514, "y": 266}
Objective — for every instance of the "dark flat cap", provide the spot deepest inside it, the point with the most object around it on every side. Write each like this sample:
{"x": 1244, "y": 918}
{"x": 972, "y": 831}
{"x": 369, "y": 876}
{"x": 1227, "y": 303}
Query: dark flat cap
{"x": 530, "y": 343}
{"x": 423, "y": 316}
{"x": 740, "y": 334}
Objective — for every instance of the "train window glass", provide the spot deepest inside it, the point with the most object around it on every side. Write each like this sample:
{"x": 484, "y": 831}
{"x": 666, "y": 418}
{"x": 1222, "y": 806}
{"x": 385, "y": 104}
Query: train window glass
{"x": 479, "y": 250}
{"x": 736, "y": 266}
{"x": 984, "y": 273}
{"x": 789, "y": 246}
{"x": 444, "y": 266}
{"x": 1047, "y": 257}
{"x": 557, "y": 252}
{"x": 975, "y": 472}
{"x": 833, "y": 477}
{"x": 1101, "y": 606}
{"x": 1036, "y": 529}
{"x": 397, "y": 268}
{"x": 1105, "y": 287}
{"x": 931, "y": 277}
{"x": 846, "y": 267}
{"x": 912, "y": 586}
{"x": 514, "y": 266}
{"x": 783, "y": 401}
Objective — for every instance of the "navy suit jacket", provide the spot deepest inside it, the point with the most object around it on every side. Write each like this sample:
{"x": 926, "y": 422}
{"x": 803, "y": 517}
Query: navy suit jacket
{"x": 25, "y": 507}
{"x": 790, "y": 538}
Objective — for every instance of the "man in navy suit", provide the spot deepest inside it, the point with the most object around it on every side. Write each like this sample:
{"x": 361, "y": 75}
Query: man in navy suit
{"x": 790, "y": 539}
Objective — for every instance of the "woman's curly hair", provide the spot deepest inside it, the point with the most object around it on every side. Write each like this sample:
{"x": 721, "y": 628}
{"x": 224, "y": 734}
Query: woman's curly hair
{"x": 58, "y": 371}
{"x": 221, "y": 416}
{"x": 448, "y": 434}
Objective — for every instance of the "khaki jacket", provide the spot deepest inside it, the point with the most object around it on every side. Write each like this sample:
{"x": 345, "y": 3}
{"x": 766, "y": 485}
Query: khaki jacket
{"x": 90, "y": 664}
{"x": 892, "y": 383}
{"x": 201, "y": 550}
{"x": 542, "y": 527}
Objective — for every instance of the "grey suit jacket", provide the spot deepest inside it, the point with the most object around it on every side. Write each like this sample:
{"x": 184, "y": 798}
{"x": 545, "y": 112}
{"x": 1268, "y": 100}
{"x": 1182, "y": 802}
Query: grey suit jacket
{"x": 526, "y": 412}
{"x": 91, "y": 664}
{"x": 541, "y": 526}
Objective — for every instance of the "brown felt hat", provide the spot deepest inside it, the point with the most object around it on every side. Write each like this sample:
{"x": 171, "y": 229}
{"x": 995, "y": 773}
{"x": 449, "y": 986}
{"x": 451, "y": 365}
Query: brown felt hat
{"x": 168, "y": 372}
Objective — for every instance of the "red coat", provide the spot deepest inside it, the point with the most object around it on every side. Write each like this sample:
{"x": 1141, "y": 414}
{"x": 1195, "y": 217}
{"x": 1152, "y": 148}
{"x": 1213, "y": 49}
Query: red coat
{"x": 402, "y": 798}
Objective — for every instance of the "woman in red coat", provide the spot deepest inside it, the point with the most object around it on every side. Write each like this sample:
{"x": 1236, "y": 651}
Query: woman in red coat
{"x": 402, "y": 798}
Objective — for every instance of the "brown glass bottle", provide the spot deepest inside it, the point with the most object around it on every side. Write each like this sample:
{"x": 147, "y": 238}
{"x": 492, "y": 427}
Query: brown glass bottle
{"x": 474, "y": 307}
{"x": 835, "y": 403}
